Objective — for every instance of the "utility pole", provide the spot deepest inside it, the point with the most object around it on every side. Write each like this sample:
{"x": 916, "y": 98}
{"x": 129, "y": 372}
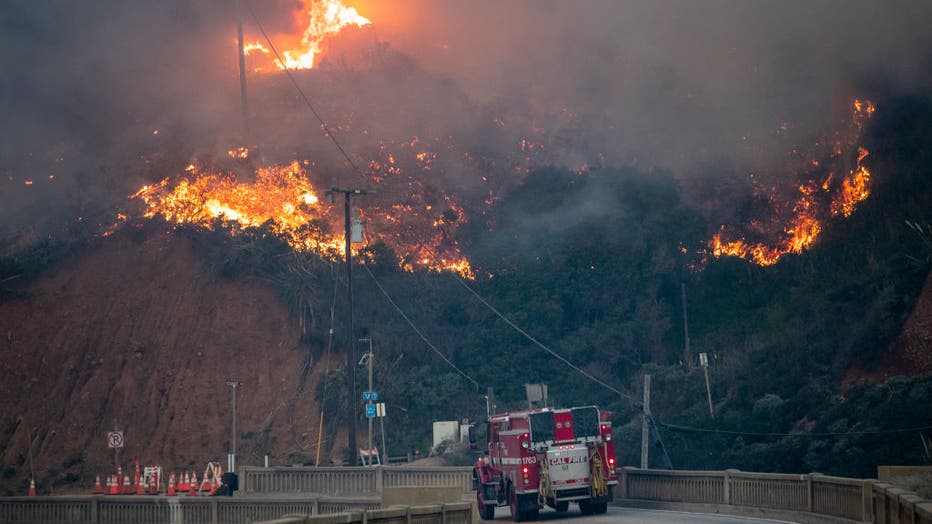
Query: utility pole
{"x": 369, "y": 362}
{"x": 242, "y": 71}
{"x": 686, "y": 358}
{"x": 231, "y": 460}
{"x": 350, "y": 360}
{"x": 645, "y": 424}
{"x": 704, "y": 362}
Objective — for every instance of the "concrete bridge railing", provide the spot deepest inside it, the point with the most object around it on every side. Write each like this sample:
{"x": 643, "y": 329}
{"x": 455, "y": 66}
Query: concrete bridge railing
{"x": 455, "y": 513}
{"x": 188, "y": 510}
{"x": 337, "y": 481}
{"x": 797, "y": 498}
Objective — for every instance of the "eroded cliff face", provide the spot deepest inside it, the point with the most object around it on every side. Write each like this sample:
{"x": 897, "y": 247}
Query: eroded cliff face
{"x": 139, "y": 334}
{"x": 910, "y": 354}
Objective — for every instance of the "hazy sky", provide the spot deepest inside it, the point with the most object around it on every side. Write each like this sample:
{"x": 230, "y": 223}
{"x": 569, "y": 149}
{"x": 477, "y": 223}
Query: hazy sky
{"x": 673, "y": 83}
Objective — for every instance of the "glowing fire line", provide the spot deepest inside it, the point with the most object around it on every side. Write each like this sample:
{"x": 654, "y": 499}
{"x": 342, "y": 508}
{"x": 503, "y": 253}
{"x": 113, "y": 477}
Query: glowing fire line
{"x": 284, "y": 199}
{"x": 805, "y": 225}
{"x": 324, "y": 18}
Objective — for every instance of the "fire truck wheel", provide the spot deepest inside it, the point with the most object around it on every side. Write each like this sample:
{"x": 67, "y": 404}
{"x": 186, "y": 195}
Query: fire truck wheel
{"x": 516, "y": 514}
{"x": 486, "y": 511}
{"x": 599, "y": 508}
{"x": 562, "y": 506}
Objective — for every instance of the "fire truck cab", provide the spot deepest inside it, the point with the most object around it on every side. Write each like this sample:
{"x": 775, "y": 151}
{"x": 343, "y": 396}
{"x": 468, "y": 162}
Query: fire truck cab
{"x": 546, "y": 457}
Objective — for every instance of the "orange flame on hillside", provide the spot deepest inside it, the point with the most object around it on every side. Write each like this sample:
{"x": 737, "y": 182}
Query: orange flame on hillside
{"x": 283, "y": 199}
{"x": 808, "y": 211}
{"x": 321, "y": 19}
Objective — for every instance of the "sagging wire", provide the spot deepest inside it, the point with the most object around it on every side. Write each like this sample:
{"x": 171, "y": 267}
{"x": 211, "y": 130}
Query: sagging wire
{"x": 416, "y": 330}
{"x": 307, "y": 101}
{"x": 553, "y": 353}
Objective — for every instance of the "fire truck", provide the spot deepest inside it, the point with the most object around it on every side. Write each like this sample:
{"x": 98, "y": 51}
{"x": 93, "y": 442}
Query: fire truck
{"x": 546, "y": 457}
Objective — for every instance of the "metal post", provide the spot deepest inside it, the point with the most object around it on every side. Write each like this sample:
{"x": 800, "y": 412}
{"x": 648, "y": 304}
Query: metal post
{"x": 369, "y": 362}
{"x": 382, "y": 432}
{"x": 686, "y": 357}
{"x": 231, "y": 462}
{"x": 645, "y": 424}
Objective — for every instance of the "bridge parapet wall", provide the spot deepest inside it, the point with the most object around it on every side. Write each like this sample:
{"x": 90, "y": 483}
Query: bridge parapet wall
{"x": 800, "y": 498}
{"x": 364, "y": 481}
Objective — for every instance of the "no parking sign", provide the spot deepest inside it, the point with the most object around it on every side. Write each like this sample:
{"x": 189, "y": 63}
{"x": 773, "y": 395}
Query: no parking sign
{"x": 115, "y": 439}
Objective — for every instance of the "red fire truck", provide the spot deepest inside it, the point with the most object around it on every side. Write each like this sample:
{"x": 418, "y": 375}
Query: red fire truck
{"x": 546, "y": 457}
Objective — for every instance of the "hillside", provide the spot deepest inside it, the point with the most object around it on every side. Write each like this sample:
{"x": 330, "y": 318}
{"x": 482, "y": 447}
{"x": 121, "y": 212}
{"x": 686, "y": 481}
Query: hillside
{"x": 138, "y": 333}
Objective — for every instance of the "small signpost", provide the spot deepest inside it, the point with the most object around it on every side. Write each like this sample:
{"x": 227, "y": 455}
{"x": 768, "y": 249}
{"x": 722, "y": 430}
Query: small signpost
{"x": 370, "y": 395}
{"x": 115, "y": 439}
{"x": 370, "y": 410}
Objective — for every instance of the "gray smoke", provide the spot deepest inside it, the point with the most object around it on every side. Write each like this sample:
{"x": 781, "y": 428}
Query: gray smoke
{"x": 675, "y": 84}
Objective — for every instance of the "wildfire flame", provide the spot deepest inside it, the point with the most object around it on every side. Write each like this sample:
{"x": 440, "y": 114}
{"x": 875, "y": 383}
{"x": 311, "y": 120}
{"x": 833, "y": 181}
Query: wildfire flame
{"x": 324, "y": 18}
{"x": 283, "y": 198}
{"x": 804, "y": 223}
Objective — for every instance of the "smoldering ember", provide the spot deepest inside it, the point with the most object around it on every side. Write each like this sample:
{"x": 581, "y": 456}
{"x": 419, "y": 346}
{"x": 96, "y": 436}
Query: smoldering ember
{"x": 252, "y": 241}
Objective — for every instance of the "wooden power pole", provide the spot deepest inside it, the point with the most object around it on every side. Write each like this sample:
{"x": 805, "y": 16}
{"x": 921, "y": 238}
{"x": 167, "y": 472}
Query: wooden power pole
{"x": 350, "y": 360}
{"x": 645, "y": 424}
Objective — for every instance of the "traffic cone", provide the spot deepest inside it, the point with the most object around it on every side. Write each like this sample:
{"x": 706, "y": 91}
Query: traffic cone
{"x": 32, "y": 487}
{"x": 113, "y": 487}
{"x": 127, "y": 485}
{"x": 140, "y": 486}
{"x": 171, "y": 484}
{"x": 137, "y": 478}
{"x": 205, "y": 483}
{"x": 192, "y": 491}
{"x": 98, "y": 489}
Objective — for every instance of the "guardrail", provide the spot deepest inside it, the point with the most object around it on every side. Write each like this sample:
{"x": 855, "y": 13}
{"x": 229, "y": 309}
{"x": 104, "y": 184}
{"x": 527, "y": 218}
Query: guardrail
{"x": 454, "y": 513}
{"x": 152, "y": 509}
{"x": 336, "y": 481}
{"x": 800, "y": 498}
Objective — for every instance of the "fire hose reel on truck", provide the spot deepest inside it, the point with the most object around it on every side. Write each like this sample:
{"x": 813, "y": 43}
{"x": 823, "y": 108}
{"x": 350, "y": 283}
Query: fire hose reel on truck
{"x": 546, "y": 457}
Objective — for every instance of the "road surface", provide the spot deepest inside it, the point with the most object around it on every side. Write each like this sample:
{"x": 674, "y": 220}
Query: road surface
{"x": 616, "y": 515}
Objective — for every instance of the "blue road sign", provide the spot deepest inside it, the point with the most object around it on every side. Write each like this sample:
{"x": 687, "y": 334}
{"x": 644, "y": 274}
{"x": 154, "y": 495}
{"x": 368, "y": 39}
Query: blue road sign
{"x": 370, "y": 410}
{"x": 370, "y": 395}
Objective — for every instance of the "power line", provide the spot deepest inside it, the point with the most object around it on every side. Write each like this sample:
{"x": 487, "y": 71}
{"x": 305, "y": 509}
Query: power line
{"x": 307, "y": 101}
{"x": 416, "y": 330}
{"x": 581, "y": 371}
{"x": 688, "y": 429}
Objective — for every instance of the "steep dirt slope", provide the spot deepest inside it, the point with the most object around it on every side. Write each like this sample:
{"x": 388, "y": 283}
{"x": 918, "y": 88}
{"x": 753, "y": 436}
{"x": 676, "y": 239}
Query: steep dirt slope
{"x": 141, "y": 334}
{"x": 910, "y": 354}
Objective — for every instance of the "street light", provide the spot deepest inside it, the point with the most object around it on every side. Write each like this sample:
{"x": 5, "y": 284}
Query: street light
{"x": 231, "y": 460}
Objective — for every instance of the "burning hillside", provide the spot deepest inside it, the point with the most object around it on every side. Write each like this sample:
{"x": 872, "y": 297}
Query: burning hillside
{"x": 320, "y": 19}
{"x": 421, "y": 230}
{"x": 833, "y": 180}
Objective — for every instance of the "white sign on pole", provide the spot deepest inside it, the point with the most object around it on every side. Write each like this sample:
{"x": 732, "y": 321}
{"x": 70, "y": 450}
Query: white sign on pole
{"x": 380, "y": 409}
{"x": 115, "y": 439}
{"x": 703, "y": 360}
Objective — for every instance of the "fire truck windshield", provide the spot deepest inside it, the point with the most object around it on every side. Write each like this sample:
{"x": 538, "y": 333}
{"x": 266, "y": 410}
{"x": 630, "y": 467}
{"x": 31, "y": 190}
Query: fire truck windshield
{"x": 586, "y": 422}
{"x": 542, "y": 427}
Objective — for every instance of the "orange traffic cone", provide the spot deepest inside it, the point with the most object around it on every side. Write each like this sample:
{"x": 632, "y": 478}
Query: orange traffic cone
{"x": 98, "y": 489}
{"x": 184, "y": 484}
{"x": 113, "y": 487}
{"x": 192, "y": 491}
{"x": 171, "y": 484}
{"x": 32, "y": 487}
{"x": 127, "y": 485}
{"x": 205, "y": 483}
{"x": 137, "y": 480}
